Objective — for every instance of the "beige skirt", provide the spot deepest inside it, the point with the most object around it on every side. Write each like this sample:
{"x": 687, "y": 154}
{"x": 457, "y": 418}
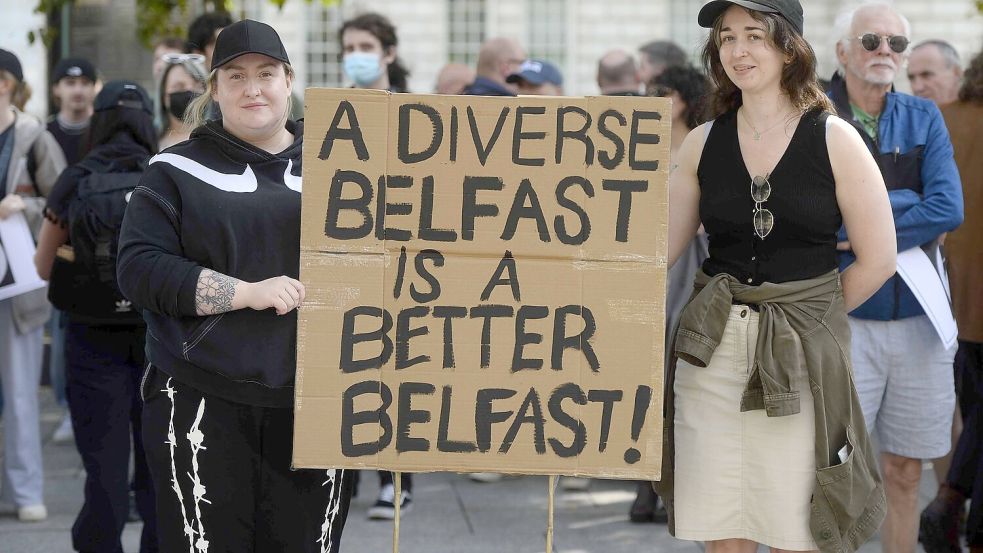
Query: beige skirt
{"x": 740, "y": 475}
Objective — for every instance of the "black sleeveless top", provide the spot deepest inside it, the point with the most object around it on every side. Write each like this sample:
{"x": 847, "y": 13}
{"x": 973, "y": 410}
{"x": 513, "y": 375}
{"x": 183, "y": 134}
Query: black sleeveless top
{"x": 802, "y": 242}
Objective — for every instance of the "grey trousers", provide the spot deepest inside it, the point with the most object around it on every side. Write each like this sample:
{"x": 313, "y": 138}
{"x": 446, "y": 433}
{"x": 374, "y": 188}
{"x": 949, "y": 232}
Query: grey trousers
{"x": 20, "y": 373}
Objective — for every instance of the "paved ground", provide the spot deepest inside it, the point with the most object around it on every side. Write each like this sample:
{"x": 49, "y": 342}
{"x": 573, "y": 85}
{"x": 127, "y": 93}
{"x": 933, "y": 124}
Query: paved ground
{"x": 451, "y": 514}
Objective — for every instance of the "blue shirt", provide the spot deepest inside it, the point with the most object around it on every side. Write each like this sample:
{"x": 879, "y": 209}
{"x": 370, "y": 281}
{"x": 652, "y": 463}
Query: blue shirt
{"x": 914, "y": 154}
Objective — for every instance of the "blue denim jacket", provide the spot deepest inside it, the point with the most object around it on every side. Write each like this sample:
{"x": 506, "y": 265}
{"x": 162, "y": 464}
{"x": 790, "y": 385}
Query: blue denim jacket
{"x": 915, "y": 156}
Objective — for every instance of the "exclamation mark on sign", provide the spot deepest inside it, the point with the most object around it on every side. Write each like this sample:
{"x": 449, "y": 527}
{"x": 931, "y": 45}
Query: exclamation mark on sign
{"x": 643, "y": 396}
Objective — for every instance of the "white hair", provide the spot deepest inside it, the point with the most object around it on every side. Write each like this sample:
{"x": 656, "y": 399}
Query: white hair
{"x": 843, "y": 25}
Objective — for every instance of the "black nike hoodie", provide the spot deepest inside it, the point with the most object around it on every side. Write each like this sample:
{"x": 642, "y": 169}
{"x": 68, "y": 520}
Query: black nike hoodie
{"x": 216, "y": 202}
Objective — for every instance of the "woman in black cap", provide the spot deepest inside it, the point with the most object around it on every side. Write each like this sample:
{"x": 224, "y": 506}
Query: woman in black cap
{"x": 767, "y": 440}
{"x": 104, "y": 337}
{"x": 210, "y": 250}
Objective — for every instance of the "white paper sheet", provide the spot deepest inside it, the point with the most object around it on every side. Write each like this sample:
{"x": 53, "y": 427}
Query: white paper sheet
{"x": 927, "y": 280}
{"x": 17, "y": 272}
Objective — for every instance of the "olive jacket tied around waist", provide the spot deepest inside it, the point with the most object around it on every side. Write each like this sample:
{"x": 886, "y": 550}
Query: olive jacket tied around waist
{"x": 803, "y": 319}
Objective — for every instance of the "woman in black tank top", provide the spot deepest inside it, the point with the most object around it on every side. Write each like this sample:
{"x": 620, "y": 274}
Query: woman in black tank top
{"x": 801, "y": 242}
{"x": 772, "y": 179}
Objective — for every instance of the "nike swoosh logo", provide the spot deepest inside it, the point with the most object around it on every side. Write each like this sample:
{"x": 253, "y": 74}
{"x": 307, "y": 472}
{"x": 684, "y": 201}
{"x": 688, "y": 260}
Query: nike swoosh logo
{"x": 292, "y": 182}
{"x": 228, "y": 182}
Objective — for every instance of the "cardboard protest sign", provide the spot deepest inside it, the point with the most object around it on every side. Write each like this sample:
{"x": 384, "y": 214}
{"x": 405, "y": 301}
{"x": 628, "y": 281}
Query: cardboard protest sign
{"x": 485, "y": 284}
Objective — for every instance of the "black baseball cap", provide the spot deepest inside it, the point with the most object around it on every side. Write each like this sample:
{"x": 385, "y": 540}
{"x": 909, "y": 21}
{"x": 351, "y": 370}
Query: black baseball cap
{"x": 73, "y": 67}
{"x": 791, "y": 10}
{"x": 10, "y": 64}
{"x": 247, "y": 37}
{"x": 127, "y": 94}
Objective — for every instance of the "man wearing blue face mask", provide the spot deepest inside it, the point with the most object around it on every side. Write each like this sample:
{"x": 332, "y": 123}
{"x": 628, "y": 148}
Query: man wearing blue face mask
{"x": 369, "y": 46}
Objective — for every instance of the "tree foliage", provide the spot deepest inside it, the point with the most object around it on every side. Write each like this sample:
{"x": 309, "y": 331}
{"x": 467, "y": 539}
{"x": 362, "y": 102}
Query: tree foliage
{"x": 155, "y": 18}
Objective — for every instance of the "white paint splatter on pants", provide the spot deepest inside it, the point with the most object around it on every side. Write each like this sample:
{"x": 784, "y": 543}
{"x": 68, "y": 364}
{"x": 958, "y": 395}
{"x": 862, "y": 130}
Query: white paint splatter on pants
{"x": 197, "y": 439}
{"x": 335, "y": 479}
{"x": 172, "y": 445}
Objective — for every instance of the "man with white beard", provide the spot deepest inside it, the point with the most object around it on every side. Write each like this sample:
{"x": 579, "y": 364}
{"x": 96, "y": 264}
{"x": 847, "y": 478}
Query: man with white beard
{"x": 903, "y": 370}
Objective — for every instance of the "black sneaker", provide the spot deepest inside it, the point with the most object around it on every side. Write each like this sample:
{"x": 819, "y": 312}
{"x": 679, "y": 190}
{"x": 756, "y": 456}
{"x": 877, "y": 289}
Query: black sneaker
{"x": 385, "y": 508}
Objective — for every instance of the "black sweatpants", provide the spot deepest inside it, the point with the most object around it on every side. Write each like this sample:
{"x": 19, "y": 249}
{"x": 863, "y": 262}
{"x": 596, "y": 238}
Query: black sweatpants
{"x": 103, "y": 365}
{"x": 223, "y": 479}
{"x": 966, "y": 470}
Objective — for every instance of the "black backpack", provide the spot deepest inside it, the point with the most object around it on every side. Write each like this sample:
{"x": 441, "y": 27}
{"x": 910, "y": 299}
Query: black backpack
{"x": 86, "y": 286}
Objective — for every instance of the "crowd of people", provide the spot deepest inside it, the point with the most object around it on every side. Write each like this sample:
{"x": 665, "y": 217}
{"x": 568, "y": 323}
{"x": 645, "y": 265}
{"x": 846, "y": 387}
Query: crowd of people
{"x": 808, "y": 375}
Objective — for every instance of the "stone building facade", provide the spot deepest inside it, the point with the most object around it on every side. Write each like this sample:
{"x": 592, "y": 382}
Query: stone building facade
{"x": 571, "y": 33}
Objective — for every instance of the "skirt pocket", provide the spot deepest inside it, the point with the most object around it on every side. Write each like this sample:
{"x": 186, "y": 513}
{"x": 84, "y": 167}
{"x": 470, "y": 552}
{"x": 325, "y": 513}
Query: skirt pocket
{"x": 847, "y": 487}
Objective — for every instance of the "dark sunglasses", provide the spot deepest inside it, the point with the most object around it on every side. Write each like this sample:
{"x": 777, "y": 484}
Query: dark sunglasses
{"x": 871, "y": 42}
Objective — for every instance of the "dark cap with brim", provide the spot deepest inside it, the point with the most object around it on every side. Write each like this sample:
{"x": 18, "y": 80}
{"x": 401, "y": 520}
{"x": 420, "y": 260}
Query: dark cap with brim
{"x": 123, "y": 94}
{"x": 537, "y": 72}
{"x": 247, "y": 37}
{"x": 10, "y": 64}
{"x": 73, "y": 67}
{"x": 790, "y": 10}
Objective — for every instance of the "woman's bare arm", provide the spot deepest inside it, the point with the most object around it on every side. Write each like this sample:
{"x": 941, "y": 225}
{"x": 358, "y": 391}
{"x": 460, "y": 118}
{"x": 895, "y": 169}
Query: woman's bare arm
{"x": 684, "y": 194}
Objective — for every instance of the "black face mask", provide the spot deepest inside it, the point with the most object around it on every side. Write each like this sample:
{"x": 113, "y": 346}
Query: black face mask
{"x": 177, "y": 102}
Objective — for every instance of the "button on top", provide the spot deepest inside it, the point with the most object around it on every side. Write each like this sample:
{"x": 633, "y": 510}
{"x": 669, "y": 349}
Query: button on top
{"x": 750, "y": 280}
{"x": 743, "y": 313}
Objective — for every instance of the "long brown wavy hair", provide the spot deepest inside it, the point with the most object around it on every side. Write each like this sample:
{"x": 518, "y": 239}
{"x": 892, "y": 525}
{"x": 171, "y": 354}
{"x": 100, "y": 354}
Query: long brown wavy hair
{"x": 798, "y": 76}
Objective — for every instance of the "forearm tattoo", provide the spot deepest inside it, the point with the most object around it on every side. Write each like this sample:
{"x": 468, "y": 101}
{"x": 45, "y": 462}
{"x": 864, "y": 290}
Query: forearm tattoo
{"x": 214, "y": 293}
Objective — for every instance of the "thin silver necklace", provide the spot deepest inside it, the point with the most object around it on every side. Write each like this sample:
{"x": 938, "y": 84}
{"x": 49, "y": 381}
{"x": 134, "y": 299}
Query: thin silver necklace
{"x": 757, "y": 135}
